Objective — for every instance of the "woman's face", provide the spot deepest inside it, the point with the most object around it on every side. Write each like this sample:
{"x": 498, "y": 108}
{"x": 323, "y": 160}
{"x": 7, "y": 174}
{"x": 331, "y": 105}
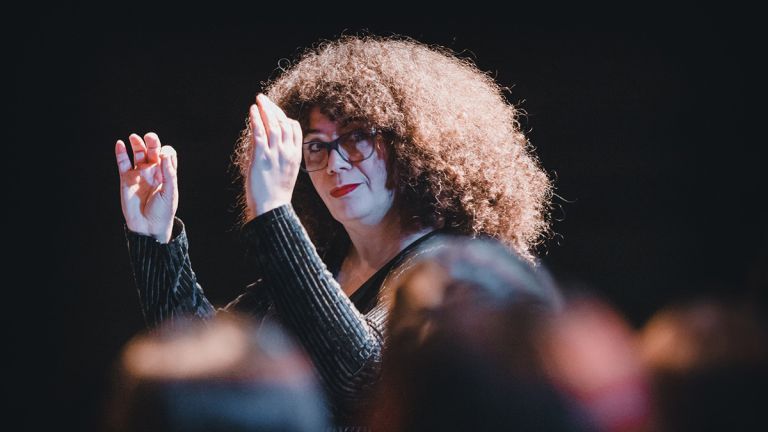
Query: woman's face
{"x": 354, "y": 193}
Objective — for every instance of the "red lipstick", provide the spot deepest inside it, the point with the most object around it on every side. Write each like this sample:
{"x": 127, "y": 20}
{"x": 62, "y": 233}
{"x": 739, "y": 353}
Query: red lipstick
{"x": 340, "y": 191}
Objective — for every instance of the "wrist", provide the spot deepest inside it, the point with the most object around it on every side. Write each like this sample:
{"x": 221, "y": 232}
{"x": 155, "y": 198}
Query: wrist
{"x": 163, "y": 239}
{"x": 165, "y": 235}
{"x": 265, "y": 207}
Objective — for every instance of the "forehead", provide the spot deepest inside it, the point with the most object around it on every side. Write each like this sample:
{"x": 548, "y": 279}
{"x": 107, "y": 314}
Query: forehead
{"x": 321, "y": 124}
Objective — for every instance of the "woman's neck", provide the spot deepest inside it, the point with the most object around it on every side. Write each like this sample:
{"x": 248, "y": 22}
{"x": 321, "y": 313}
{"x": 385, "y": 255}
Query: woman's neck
{"x": 372, "y": 246}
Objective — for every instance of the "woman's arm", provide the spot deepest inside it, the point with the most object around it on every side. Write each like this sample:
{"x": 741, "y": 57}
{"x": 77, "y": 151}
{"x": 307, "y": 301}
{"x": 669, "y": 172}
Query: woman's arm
{"x": 344, "y": 345}
{"x": 157, "y": 243}
{"x": 168, "y": 287}
{"x": 164, "y": 278}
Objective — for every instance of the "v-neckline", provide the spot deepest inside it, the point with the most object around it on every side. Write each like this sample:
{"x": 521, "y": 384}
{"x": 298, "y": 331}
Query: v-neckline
{"x": 363, "y": 295}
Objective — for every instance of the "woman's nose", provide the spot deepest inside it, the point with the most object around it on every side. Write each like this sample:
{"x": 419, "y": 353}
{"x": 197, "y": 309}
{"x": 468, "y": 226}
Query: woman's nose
{"x": 336, "y": 162}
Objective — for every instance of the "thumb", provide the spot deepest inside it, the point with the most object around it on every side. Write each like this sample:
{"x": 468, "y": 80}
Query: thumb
{"x": 169, "y": 166}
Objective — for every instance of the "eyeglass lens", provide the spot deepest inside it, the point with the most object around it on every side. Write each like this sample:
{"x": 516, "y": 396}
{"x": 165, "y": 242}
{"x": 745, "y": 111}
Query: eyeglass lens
{"x": 353, "y": 146}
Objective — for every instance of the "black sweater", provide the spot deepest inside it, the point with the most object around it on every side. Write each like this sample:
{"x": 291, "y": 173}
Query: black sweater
{"x": 344, "y": 336}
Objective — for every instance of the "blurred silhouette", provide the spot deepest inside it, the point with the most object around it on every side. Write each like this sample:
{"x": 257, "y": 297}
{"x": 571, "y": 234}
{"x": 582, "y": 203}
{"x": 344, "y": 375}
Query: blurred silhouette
{"x": 462, "y": 351}
{"x": 219, "y": 375}
{"x": 708, "y": 360}
{"x": 590, "y": 354}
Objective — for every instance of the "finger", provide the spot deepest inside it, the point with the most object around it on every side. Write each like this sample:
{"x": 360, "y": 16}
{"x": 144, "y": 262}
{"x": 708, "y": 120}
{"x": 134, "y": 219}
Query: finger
{"x": 123, "y": 161}
{"x": 284, "y": 122}
{"x": 158, "y": 174}
{"x": 258, "y": 132}
{"x": 298, "y": 137}
{"x": 286, "y": 136}
{"x": 170, "y": 152}
{"x": 277, "y": 110}
{"x": 174, "y": 159}
{"x": 153, "y": 147}
{"x": 285, "y": 126}
{"x": 269, "y": 117}
{"x": 139, "y": 149}
{"x": 169, "y": 165}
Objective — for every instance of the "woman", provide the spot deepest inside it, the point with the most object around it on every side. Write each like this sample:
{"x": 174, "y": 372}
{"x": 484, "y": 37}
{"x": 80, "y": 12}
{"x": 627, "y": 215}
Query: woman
{"x": 372, "y": 145}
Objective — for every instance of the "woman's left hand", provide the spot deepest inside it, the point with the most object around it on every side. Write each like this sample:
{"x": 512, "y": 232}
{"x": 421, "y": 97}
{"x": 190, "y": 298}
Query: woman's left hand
{"x": 275, "y": 159}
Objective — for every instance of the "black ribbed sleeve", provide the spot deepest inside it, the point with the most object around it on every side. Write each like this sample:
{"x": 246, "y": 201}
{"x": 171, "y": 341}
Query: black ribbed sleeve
{"x": 164, "y": 278}
{"x": 345, "y": 346}
{"x": 295, "y": 287}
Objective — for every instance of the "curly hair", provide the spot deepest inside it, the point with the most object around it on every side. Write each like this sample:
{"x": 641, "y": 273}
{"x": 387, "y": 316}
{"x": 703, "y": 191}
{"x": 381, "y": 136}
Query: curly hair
{"x": 457, "y": 156}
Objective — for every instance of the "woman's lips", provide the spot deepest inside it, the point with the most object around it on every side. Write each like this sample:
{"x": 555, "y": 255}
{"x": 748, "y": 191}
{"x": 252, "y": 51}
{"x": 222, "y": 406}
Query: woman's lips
{"x": 340, "y": 191}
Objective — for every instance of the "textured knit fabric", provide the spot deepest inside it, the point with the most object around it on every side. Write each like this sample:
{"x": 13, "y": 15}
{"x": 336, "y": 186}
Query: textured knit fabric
{"x": 344, "y": 336}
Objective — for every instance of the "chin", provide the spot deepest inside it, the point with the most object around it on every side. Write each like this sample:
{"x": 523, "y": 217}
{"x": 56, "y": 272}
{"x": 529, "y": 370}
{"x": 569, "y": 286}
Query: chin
{"x": 349, "y": 214}
{"x": 359, "y": 211}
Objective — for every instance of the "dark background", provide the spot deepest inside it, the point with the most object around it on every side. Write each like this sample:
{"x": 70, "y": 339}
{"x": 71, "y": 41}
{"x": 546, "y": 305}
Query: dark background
{"x": 647, "y": 119}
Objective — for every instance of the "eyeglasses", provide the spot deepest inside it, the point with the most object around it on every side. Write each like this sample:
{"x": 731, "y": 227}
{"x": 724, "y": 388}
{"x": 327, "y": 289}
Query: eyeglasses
{"x": 354, "y": 146}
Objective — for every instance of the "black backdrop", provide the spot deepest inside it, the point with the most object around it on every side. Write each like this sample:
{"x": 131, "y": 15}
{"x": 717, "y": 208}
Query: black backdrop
{"x": 647, "y": 120}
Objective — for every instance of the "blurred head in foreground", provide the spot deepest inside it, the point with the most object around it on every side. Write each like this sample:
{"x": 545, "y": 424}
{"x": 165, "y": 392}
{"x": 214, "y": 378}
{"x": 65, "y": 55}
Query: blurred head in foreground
{"x": 462, "y": 351}
{"x": 589, "y": 353}
{"x": 216, "y": 375}
{"x": 708, "y": 362}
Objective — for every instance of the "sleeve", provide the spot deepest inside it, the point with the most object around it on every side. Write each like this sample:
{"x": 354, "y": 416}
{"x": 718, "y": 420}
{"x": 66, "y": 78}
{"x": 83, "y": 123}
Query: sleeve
{"x": 345, "y": 347}
{"x": 164, "y": 278}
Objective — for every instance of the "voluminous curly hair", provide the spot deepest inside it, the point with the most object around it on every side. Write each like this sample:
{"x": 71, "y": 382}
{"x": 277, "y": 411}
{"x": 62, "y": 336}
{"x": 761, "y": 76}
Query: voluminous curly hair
{"x": 456, "y": 155}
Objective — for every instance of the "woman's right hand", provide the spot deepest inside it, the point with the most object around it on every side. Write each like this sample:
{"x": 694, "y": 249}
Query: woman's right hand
{"x": 149, "y": 192}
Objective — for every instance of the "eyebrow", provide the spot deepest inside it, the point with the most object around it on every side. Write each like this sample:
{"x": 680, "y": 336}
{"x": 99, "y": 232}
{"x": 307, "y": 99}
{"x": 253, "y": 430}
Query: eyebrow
{"x": 351, "y": 123}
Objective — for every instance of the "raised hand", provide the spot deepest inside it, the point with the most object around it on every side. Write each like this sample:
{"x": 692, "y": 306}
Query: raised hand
{"x": 149, "y": 192}
{"x": 275, "y": 159}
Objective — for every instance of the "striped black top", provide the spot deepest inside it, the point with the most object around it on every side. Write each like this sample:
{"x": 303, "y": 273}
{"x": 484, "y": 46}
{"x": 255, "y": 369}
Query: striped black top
{"x": 344, "y": 336}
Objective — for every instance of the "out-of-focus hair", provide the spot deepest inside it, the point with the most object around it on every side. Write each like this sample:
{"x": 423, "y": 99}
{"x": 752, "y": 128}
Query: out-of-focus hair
{"x": 223, "y": 374}
{"x": 709, "y": 363}
{"x": 462, "y": 348}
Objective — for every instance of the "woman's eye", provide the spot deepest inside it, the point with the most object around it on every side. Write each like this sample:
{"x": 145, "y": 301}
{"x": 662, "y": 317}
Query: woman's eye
{"x": 314, "y": 146}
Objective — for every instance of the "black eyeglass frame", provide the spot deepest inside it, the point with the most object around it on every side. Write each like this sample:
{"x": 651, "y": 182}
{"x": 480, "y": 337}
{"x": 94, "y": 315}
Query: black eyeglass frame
{"x": 371, "y": 132}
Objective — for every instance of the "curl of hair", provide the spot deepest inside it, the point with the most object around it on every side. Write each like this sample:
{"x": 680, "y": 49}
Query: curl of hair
{"x": 457, "y": 156}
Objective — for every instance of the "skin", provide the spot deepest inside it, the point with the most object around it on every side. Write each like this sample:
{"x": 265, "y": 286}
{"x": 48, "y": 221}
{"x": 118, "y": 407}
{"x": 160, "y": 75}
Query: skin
{"x": 149, "y": 189}
{"x": 365, "y": 212}
{"x": 149, "y": 193}
{"x": 369, "y": 204}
